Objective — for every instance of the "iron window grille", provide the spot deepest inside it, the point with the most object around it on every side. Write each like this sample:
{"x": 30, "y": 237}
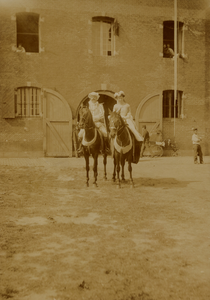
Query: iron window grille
{"x": 28, "y": 102}
{"x": 170, "y": 106}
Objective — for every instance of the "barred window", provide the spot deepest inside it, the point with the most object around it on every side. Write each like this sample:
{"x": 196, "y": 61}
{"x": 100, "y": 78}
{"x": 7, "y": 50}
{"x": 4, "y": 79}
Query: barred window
{"x": 28, "y": 102}
{"x": 104, "y": 31}
{"x": 28, "y": 31}
{"x": 170, "y": 106}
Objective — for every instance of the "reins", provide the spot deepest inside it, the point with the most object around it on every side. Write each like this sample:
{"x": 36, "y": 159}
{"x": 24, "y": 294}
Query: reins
{"x": 85, "y": 143}
{"x": 86, "y": 123}
{"x": 123, "y": 149}
{"x": 86, "y": 119}
{"x": 120, "y": 130}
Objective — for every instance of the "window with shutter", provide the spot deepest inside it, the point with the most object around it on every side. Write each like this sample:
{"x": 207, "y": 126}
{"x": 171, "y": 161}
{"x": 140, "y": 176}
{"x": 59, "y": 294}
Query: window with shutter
{"x": 28, "y": 102}
{"x": 104, "y": 31}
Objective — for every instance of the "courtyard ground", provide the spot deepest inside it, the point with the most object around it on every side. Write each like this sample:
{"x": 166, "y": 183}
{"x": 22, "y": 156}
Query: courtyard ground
{"x": 60, "y": 240}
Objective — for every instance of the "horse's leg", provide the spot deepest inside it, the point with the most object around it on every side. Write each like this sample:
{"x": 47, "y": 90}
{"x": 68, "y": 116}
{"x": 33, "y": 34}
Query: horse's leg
{"x": 130, "y": 171}
{"x": 95, "y": 168}
{"x": 86, "y": 155}
{"x": 123, "y": 165}
{"x": 118, "y": 169}
{"x": 105, "y": 163}
{"x": 114, "y": 172}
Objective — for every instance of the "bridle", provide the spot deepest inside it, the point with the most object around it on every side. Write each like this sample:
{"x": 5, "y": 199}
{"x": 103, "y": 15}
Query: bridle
{"x": 117, "y": 126}
{"x": 84, "y": 122}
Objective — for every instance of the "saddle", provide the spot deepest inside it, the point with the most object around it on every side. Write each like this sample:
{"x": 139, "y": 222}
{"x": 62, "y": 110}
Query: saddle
{"x": 136, "y": 148}
{"x": 102, "y": 141}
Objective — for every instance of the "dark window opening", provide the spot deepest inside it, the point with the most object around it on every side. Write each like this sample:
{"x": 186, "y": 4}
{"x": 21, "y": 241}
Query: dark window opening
{"x": 28, "y": 31}
{"x": 171, "y": 107}
{"x": 168, "y": 38}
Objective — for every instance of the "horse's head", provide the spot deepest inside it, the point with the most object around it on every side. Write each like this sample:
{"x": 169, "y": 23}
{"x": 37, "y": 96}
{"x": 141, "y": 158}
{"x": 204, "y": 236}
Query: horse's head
{"x": 85, "y": 118}
{"x": 116, "y": 123}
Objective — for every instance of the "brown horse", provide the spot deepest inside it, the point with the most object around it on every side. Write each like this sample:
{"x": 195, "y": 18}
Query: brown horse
{"x": 92, "y": 143}
{"x": 123, "y": 147}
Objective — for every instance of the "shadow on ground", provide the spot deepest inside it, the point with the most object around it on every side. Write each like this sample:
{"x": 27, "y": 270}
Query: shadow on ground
{"x": 160, "y": 182}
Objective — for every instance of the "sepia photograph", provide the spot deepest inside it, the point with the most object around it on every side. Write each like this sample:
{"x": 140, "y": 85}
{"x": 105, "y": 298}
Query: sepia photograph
{"x": 105, "y": 149}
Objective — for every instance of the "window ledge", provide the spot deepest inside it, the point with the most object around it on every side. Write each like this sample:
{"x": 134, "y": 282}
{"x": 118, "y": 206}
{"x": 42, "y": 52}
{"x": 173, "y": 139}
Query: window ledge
{"x": 32, "y": 53}
{"x": 183, "y": 56}
{"x": 28, "y": 117}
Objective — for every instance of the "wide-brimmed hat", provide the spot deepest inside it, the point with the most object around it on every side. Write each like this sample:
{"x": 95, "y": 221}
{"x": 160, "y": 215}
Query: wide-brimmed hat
{"x": 119, "y": 94}
{"x": 94, "y": 95}
{"x": 116, "y": 95}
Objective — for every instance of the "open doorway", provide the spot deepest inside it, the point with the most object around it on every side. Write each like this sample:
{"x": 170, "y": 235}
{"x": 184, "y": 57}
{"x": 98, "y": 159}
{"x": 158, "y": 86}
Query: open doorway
{"x": 107, "y": 101}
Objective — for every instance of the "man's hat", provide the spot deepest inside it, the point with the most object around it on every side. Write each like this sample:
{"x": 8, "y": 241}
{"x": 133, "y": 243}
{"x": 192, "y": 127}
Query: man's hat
{"x": 94, "y": 95}
{"x": 194, "y": 128}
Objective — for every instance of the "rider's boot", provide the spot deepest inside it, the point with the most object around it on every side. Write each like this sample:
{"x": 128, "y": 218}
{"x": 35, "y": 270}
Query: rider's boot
{"x": 106, "y": 145}
{"x": 80, "y": 148}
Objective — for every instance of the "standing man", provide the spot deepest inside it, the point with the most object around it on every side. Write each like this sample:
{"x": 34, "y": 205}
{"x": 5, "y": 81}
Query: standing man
{"x": 145, "y": 143}
{"x": 196, "y": 146}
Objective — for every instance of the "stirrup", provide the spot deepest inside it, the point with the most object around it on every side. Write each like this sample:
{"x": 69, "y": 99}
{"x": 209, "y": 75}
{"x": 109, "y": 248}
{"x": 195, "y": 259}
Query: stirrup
{"x": 80, "y": 150}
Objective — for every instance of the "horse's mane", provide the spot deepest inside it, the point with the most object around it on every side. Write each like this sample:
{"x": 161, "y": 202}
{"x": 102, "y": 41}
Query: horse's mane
{"x": 117, "y": 116}
{"x": 87, "y": 116}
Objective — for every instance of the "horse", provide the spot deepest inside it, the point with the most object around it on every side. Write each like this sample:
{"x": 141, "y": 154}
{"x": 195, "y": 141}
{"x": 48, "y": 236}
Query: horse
{"x": 123, "y": 147}
{"x": 92, "y": 143}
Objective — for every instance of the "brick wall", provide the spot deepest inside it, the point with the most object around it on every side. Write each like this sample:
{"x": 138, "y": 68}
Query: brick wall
{"x": 21, "y": 137}
{"x": 68, "y": 66}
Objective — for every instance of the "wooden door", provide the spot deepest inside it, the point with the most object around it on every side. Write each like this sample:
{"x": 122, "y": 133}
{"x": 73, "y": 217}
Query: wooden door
{"x": 149, "y": 113}
{"x": 57, "y": 118}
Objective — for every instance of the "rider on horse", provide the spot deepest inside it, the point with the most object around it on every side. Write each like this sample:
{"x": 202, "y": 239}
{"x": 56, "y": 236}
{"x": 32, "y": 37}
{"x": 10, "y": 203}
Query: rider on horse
{"x": 123, "y": 108}
{"x": 97, "y": 111}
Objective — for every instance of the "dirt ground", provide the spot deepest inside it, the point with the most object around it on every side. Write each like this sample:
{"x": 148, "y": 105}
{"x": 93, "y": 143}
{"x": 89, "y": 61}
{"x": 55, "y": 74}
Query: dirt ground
{"x": 60, "y": 240}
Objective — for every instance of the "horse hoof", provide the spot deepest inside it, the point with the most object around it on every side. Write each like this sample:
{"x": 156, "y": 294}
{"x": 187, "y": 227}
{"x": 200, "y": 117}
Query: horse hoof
{"x": 132, "y": 186}
{"x": 118, "y": 186}
{"x": 87, "y": 184}
{"x": 95, "y": 185}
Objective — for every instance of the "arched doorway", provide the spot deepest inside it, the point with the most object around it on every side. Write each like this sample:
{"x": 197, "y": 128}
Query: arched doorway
{"x": 108, "y": 101}
{"x": 149, "y": 113}
{"x": 106, "y": 98}
{"x": 57, "y": 121}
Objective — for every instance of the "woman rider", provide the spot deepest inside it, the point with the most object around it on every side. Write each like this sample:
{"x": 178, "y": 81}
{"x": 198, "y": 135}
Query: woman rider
{"x": 123, "y": 108}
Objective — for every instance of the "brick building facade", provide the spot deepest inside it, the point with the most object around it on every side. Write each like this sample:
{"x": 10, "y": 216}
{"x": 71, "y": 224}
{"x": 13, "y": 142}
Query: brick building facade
{"x": 74, "y": 47}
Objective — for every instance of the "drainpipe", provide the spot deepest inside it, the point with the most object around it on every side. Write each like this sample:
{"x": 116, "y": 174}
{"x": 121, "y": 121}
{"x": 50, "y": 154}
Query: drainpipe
{"x": 175, "y": 61}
